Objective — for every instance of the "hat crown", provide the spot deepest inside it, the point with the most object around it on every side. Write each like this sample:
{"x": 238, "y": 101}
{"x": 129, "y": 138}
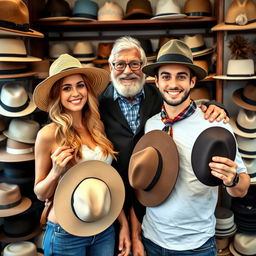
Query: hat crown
{"x": 246, "y": 144}
{"x": 12, "y": 46}
{"x": 57, "y": 8}
{"x": 197, "y": 6}
{"x": 57, "y": 49}
{"x": 104, "y": 50}
{"x": 194, "y": 40}
{"x": 64, "y": 62}
{"x": 249, "y": 91}
{"x": 23, "y": 248}
{"x": 250, "y": 165}
{"x": 82, "y": 48}
{"x": 91, "y": 200}
{"x": 86, "y": 9}
{"x": 246, "y": 119}
{"x": 167, "y": 6}
{"x": 9, "y": 194}
{"x": 243, "y": 67}
{"x": 244, "y": 244}
{"x": 110, "y": 11}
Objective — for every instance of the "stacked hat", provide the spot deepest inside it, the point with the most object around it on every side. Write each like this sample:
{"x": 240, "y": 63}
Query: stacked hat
{"x": 110, "y": 11}
{"x": 103, "y": 52}
{"x": 225, "y": 225}
{"x": 56, "y": 49}
{"x": 138, "y": 10}
{"x": 251, "y": 169}
{"x": 198, "y": 8}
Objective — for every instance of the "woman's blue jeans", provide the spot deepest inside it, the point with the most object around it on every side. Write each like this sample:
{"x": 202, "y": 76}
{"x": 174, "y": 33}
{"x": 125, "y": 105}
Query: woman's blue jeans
{"x": 58, "y": 242}
{"x": 207, "y": 249}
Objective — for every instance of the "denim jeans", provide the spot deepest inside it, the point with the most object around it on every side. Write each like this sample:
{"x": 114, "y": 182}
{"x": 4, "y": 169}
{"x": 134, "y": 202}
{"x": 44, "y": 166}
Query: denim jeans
{"x": 207, "y": 249}
{"x": 58, "y": 242}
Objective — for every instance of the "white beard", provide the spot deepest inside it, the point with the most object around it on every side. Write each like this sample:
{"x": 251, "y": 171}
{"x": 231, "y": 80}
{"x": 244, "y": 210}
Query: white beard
{"x": 128, "y": 90}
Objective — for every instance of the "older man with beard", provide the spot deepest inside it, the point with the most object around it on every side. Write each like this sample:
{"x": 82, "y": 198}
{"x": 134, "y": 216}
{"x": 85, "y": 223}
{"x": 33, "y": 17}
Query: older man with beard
{"x": 127, "y": 103}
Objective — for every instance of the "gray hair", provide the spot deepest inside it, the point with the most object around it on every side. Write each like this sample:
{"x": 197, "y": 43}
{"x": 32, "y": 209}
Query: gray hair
{"x": 126, "y": 43}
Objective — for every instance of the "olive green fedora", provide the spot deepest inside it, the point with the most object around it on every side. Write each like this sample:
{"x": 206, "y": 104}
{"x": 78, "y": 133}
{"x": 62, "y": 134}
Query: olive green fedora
{"x": 174, "y": 52}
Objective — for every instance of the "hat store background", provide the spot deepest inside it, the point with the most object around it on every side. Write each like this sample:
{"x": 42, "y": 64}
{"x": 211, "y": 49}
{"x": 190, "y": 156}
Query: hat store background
{"x": 222, "y": 37}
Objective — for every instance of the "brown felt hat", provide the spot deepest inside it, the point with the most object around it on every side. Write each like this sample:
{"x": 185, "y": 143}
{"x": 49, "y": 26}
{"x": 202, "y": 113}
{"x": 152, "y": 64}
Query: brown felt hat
{"x": 214, "y": 141}
{"x": 198, "y": 8}
{"x": 138, "y": 10}
{"x": 103, "y": 52}
{"x": 153, "y": 168}
{"x": 89, "y": 198}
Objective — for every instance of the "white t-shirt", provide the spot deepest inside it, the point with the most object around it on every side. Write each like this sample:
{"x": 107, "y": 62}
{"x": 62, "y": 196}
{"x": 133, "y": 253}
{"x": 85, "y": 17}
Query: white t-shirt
{"x": 186, "y": 219}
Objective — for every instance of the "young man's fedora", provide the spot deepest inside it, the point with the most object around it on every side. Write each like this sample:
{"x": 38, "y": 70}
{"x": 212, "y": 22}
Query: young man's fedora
{"x": 153, "y": 168}
{"x": 89, "y": 198}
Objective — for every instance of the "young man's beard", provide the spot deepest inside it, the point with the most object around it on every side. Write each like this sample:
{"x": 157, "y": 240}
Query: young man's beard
{"x": 184, "y": 98}
{"x": 130, "y": 89}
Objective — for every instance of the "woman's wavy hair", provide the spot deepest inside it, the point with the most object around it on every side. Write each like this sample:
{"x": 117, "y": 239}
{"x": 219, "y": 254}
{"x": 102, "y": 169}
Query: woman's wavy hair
{"x": 66, "y": 134}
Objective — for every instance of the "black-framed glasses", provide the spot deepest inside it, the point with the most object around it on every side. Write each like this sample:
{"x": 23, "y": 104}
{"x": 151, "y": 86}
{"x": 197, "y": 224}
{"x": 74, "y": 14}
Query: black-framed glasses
{"x": 121, "y": 66}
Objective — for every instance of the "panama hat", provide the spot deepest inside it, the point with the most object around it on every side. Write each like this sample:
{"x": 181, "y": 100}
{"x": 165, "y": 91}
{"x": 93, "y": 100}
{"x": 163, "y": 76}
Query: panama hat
{"x": 64, "y": 66}
{"x": 174, "y": 52}
{"x": 138, "y": 10}
{"x": 242, "y": 69}
{"x": 239, "y": 16}
{"x": 197, "y": 8}
{"x": 168, "y": 9}
{"x": 110, "y": 11}
{"x": 56, "y": 49}
{"x": 22, "y": 248}
{"x": 246, "y": 97}
{"x": 89, "y": 198}
{"x": 153, "y": 167}
{"x": 15, "y": 151}
{"x": 15, "y": 101}
{"x": 83, "y": 51}
{"x": 14, "y": 50}
{"x": 214, "y": 141}
{"x": 247, "y": 147}
{"x": 15, "y": 19}
{"x": 245, "y": 123}
{"x": 11, "y": 200}
{"x": 197, "y": 45}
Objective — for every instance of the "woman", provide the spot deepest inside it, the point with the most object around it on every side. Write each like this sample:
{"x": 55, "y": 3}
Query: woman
{"x": 75, "y": 134}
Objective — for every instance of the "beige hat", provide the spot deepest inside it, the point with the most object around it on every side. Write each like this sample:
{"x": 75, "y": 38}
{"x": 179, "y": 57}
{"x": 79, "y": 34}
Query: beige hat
{"x": 242, "y": 69}
{"x": 23, "y": 248}
{"x": 239, "y": 16}
{"x": 245, "y": 123}
{"x": 11, "y": 200}
{"x": 174, "y": 52}
{"x": 197, "y": 45}
{"x": 110, "y": 11}
{"x": 22, "y": 130}
{"x": 89, "y": 198}
{"x": 15, "y": 101}
{"x": 56, "y": 49}
{"x": 83, "y": 51}
{"x": 15, "y": 151}
{"x": 13, "y": 49}
{"x": 64, "y": 66}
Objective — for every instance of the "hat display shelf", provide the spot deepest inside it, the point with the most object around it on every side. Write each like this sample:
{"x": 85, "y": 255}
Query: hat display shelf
{"x": 18, "y": 128}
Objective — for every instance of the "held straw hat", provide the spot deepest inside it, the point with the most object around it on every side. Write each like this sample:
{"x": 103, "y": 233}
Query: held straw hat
{"x": 89, "y": 198}
{"x": 174, "y": 52}
{"x": 64, "y": 66}
{"x": 153, "y": 168}
{"x": 15, "y": 19}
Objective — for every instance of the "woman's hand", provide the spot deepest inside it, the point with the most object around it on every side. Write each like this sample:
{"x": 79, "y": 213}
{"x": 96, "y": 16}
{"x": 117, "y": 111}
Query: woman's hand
{"x": 124, "y": 241}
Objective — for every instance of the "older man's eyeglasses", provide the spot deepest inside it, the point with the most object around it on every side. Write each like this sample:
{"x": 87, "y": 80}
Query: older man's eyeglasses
{"x": 121, "y": 66}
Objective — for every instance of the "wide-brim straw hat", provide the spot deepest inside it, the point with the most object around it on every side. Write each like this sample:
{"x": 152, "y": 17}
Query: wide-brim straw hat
{"x": 66, "y": 65}
{"x": 15, "y": 19}
{"x": 214, "y": 141}
{"x": 174, "y": 52}
{"x": 153, "y": 168}
{"x": 64, "y": 204}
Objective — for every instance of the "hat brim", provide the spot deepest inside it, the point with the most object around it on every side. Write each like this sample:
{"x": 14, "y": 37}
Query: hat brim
{"x": 223, "y": 26}
{"x": 150, "y": 69}
{"x": 31, "y": 33}
{"x": 81, "y": 19}
{"x": 28, "y": 110}
{"x": 17, "y": 76}
{"x": 138, "y": 14}
{"x": 22, "y": 207}
{"x": 19, "y": 139}
{"x": 63, "y": 197}
{"x": 237, "y": 98}
{"x": 98, "y": 79}
{"x": 225, "y": 77}
{"x": 164, "y": 143}
{"x": 169, "y": 16}
{"x": 239, "y": 132}
{"x": 214, "y": 141}
{"x": 203, "y": 52}
{"x": 20, "y": 59}
{"x": 57, "y": 18}
{"x": 7, "y": 157}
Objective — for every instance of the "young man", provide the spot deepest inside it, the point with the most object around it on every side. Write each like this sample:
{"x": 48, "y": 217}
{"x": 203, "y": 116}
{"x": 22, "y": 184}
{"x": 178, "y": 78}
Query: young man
{"x": 127, "y": 103}
{"x": 184, "y": 224}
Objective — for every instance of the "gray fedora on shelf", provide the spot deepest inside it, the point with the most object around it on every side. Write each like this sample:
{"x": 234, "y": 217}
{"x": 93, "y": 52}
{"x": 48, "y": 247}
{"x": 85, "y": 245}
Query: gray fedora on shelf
{"x": 174, "y": 52}
{"x": 247, "y": 147}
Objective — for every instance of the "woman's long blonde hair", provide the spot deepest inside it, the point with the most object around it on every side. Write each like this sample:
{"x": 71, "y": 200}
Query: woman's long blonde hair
{"x": 66, "y": 134}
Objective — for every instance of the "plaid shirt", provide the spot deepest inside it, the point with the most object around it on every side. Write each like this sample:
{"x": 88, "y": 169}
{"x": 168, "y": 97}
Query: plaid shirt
{"x": 130, "y": 109}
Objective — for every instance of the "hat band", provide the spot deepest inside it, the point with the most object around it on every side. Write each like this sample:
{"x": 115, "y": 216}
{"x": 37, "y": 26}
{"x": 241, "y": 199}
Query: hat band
{"x": 14, "y": 109}
{"x": 247, "y": 100}
{"x": 240, "y": 75}
{"x": 174, "y": 58}
{"x": 8, "y": 206}
{"x": 198, "y": 14}
{"x": 245, "y": 129}
{"x": 198, "y": 49}
{"x": 102, "y": 58}
{"x": 86, "y": 61}
{"x": 158, "y": 172}
{"x": 86, "y": 55}
{"x": 252, "y": 175}
{"x": 85, "y": 15}
{"x": 12, "y": 25}
{"x": 234, "y": 23}
{"x": 16, "y": 151}
{"x": 250, "y": 153}
{"x": 13, "y": 71}
{"x": 13, "y": 55}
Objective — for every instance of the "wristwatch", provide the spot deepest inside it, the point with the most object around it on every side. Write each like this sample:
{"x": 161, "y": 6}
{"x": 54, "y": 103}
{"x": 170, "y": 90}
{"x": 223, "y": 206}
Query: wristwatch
{"x": 235, "y": 182}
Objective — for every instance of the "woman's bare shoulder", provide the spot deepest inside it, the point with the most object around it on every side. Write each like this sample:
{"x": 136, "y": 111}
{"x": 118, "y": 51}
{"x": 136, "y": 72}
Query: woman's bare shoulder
{"x": 47, "y": 133}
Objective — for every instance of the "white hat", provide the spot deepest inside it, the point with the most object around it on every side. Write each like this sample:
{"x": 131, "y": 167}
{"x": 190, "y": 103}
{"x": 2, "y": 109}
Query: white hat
{"x": 246, "y": 147}
{"x": 23, "y": 248}
{"x": 251, "y": 168}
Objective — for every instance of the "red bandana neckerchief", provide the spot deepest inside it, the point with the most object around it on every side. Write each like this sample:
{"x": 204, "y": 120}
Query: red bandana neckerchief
{"x": 188, "y": 111}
